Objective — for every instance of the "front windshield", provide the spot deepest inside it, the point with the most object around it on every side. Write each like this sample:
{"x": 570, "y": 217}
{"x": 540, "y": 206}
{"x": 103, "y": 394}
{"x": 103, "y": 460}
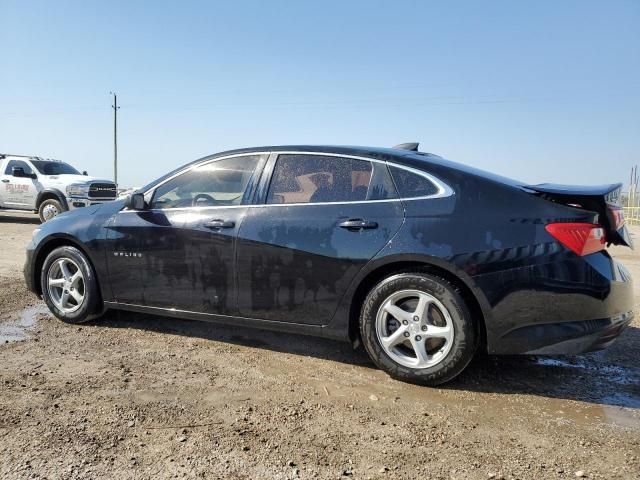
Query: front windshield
{"x": 46, "y": 167}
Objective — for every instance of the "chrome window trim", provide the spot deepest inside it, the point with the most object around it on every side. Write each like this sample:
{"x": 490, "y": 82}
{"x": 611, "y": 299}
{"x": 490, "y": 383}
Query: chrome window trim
{"x": 196, "y": 165}
{"x": 444, "y": 190}
{"x": 199, "y": 164}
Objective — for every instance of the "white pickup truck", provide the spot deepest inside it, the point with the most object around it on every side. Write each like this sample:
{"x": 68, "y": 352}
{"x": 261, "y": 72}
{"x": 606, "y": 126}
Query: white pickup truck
{"x": 48, "y": 187}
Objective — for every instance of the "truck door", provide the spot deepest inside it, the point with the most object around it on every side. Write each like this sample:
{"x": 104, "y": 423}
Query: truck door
{"x": 15, "y": 191}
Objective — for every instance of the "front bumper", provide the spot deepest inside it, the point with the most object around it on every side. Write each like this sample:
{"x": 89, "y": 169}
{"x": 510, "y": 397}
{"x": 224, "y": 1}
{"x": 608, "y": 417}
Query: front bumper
{"x": 28, "y": 269}
{"x": 81, "y": 202}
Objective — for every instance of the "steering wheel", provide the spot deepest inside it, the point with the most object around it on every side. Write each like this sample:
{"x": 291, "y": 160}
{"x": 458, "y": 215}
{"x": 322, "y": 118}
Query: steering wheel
{"x": 202, "y": 196}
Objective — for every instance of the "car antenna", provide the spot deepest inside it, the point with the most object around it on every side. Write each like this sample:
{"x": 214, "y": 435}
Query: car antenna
{"x": 412, "y": 146}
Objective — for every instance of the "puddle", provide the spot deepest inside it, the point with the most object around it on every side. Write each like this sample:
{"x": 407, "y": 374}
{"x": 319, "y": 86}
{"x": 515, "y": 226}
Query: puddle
{"x": 15, "y": 330}
{"x": 613, "y": 373}
{"x": 614, "y": 388}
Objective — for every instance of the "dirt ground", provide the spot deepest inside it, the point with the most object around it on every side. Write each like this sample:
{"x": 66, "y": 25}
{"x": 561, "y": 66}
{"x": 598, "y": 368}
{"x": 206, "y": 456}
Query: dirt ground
{"x": 140, "y": 396}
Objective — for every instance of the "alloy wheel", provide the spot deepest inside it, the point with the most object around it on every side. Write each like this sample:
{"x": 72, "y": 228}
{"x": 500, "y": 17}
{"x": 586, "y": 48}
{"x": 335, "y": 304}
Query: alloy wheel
{"x": 414, "y": 328}
{"x": 65, "y": 285}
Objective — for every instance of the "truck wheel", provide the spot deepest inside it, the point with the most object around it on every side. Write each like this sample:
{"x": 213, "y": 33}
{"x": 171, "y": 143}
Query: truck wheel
{"x": 49, "y": 209}
{"x": 69, "y": 286}
{"x": 417, "y": 328}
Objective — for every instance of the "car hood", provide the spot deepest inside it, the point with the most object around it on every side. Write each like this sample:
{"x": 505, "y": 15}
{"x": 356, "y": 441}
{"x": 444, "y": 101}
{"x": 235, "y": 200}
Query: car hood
{"x": 69, "y": 179}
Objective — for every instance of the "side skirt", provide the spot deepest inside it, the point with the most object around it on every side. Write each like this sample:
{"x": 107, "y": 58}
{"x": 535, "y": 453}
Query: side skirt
{"x": 287, "y": 327}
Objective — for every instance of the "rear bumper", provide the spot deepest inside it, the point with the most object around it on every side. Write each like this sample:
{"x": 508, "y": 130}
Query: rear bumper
{"x": 568, "y": 307}
{"x": 567, "y": 338}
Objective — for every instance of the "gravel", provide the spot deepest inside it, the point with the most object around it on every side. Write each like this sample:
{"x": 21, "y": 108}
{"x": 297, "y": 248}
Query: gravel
{"x": 138, "y": 396}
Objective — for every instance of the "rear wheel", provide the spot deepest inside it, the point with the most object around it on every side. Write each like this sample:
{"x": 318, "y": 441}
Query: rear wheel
{"x": 48, "y": 209}
{"x": 69, "y": 286}
{"x": 417, "y": 328}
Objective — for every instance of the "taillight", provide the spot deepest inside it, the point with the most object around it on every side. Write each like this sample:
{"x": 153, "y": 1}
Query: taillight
{"x": 581, "y": 238}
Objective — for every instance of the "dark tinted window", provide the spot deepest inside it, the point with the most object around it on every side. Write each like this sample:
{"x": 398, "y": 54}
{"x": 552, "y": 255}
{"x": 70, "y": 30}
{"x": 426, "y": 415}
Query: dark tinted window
{"x": 54, "y": 168}
{"x": 18, "y": 164}
{"x": 381, "y": 187}
{"x": 317, "y": 178}
{"x": 218, "y": 183}
{"x": 411, "y": 184}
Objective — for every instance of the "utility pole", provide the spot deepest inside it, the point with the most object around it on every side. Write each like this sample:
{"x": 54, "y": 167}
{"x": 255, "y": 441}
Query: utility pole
{"x": 115, "y": 136}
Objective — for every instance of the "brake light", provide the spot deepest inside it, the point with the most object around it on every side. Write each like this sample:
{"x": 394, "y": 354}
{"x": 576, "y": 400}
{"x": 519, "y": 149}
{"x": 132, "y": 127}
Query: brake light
{"x": 581, "y": 238}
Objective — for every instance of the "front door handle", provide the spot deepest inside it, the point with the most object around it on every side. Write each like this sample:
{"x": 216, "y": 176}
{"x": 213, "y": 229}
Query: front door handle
{"x": 4, "y": 180}
{"x": 358, "y": 224}
{"x": 218, "y": 224}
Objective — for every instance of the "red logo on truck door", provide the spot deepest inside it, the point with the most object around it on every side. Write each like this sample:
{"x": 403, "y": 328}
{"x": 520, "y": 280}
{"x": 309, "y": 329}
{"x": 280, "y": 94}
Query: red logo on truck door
{"x": 16, "y": 188}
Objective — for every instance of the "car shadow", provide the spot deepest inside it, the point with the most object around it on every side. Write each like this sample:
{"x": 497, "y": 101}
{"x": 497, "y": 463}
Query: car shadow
{"x": 297, "y": 344}
{"x": 597, "y": 377}
{"x": 8, "y": 218}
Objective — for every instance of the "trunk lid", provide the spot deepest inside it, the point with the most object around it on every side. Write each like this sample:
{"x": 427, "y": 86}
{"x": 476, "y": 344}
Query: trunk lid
{"x": 602, "y": 199}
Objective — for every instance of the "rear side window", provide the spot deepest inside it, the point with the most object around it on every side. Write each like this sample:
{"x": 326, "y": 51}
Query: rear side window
{"x": 411, "y": 185}
{"x": 382, "y": 187}
{"x": 319, "y": 179}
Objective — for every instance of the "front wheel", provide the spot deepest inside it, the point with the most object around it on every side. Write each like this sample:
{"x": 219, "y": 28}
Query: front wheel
{"x": 49, "y": 209}
{"x": 418, "y": 328}
{"x": 69, "y": 286}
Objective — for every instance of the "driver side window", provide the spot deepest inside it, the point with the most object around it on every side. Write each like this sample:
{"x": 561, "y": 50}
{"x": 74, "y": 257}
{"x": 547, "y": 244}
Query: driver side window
{"x": 217, "y": 183}
{"x": 17, "y": 164}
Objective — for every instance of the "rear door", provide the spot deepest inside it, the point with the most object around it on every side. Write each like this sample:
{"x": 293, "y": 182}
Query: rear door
{"x": 180, "y": 252}
{"x": 322, "y": 217}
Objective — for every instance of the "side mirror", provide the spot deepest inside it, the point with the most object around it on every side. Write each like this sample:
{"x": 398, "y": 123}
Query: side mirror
{"x": 135, "y": 201}
{"x": 84, "y": 172}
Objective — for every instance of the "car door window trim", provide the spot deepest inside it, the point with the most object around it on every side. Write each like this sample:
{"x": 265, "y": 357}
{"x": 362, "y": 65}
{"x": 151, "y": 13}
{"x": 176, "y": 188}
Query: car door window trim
{"x": 444, "y": 190}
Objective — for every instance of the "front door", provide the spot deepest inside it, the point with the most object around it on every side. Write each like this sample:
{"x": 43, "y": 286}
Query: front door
{"x": 180, "y": 252}
{"x": 323, "y": 219}
{"x": 18, "y": 192}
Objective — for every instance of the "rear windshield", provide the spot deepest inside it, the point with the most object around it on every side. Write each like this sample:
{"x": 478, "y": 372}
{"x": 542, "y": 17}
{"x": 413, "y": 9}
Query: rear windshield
{"x": 54, "y": 168}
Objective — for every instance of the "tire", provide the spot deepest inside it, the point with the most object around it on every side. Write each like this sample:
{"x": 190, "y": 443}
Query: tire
{"x": 59, "y": 284}
{"x": 445, "y": 327}
{"x": 49, "y": 209}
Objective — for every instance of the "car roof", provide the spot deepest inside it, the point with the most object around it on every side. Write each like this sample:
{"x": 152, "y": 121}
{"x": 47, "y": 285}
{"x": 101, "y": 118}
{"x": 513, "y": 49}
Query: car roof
{"x": 409, "y": 158}
{"x": 419, "y": 160}
{"x": 371, "y": 152}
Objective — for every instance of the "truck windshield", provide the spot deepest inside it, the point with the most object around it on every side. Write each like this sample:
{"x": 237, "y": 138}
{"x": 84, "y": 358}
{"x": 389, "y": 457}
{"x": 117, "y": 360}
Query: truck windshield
{"x": 54, "y": 168}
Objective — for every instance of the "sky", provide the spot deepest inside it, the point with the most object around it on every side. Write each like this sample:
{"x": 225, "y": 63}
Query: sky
{"x": 540, "y": 91}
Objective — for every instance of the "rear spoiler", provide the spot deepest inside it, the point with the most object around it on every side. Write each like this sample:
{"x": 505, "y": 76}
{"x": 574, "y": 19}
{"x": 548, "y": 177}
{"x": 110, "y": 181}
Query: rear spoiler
{"x": 602, "y": 199}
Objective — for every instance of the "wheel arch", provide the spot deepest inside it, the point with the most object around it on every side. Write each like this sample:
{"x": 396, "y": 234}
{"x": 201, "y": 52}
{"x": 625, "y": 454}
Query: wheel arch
{"x": 475, "y": 299}
{"x": 49, "y": 246}
{"x": 51, "y": 194}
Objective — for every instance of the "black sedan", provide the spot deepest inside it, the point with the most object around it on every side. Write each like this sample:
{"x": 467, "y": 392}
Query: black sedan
{"x": 422, "y": 260}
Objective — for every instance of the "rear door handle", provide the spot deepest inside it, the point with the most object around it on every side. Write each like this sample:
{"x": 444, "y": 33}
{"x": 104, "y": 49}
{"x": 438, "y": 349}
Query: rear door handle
{"x": 358, "y": 224}
{"x": 218, "y": 224}
{"x": 4, "y": 180}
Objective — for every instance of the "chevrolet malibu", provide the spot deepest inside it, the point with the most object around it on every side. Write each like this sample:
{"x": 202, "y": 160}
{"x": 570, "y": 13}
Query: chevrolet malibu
{"x": 422, "y": 260}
